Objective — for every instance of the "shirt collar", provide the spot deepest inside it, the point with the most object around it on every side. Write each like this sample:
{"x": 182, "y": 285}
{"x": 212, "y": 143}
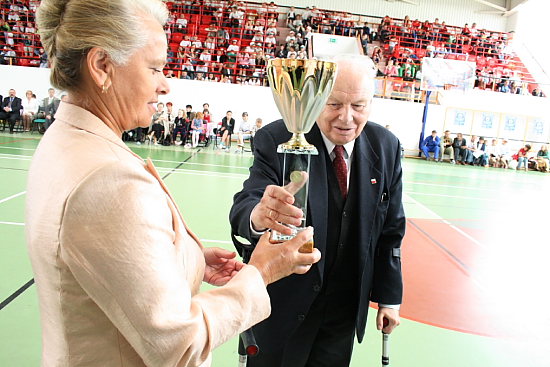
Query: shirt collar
{"x": 348, "y": 148}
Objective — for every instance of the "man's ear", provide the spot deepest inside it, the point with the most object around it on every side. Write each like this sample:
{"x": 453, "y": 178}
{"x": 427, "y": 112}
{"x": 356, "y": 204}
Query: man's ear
{"x": 101, "y": 67}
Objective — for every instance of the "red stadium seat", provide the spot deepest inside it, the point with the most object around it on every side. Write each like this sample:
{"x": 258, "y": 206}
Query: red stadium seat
{"x": 481, "y": 61}
{"x": 176, "y": 37}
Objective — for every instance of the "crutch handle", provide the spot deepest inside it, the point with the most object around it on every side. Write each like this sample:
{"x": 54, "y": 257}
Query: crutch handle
{"x": 249, "y": 346}
{"x": 385, "y": 345}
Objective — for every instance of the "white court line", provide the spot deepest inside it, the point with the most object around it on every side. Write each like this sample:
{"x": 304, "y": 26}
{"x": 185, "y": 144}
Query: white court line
{"x": 435, "y": 215}
{"x": 17, "y": 148}
{"x": 200, "y": 164}
{"x": 448, "y": 186}
{"x": 201, "y": 173}
{"x": 12, "y": 197}
{"x": 451, "y": 196}
{"x": 13, "y": 224}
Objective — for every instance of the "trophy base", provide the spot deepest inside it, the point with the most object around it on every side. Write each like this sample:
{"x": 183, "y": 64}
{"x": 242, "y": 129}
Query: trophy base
{"x": 277, "y": 237}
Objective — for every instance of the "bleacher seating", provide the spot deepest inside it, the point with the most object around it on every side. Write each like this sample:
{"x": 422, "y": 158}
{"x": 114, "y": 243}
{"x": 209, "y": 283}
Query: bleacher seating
{"x": 238, "y": 36}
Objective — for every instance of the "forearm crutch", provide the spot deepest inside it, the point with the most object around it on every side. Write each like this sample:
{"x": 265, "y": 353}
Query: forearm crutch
{"x": 247, "y": 342}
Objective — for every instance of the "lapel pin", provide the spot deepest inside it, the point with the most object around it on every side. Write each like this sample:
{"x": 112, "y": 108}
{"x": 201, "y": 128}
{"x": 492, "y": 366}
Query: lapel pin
{"x": 373, "y": 181}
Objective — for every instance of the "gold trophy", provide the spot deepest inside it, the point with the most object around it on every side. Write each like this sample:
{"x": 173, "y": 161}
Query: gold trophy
{"x": 300, "y": 89}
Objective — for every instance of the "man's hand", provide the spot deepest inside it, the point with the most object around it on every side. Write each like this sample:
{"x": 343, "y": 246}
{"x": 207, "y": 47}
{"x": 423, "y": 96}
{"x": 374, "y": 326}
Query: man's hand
{"x": 275, "y": 208}
{"x": 221, "y": 265}
{"x": 389, "y": 314}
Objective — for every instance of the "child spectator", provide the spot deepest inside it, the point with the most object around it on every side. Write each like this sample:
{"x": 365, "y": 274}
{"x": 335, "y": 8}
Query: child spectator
{"x": 197, "y": 127}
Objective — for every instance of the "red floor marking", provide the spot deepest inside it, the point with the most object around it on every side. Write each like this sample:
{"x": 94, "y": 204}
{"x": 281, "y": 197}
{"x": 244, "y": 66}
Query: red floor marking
{"x": 440, "y": 292}
{"x": 17, "y": 141}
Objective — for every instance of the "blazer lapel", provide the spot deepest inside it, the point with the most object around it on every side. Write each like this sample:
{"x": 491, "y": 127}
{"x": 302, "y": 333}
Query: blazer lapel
{"x": 318, "y": 190}
{"x": 152, "y": 170}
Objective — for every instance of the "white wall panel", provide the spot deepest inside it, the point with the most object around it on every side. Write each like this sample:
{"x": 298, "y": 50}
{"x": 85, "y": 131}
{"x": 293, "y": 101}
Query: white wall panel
{"x": 453, "y": 12}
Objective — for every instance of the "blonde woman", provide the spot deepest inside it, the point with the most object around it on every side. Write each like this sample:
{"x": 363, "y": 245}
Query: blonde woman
{"x": 30, "y": 108}
{"x": 117, "y": 270}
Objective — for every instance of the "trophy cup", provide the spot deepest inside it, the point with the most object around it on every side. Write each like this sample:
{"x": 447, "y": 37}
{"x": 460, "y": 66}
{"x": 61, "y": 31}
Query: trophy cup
{"x": 300, "y": 89}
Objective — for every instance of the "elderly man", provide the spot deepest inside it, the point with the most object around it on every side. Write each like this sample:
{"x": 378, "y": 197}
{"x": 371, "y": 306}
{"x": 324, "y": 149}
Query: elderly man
{"x": 356, "y": 210}
{"x": 11, "y": 109}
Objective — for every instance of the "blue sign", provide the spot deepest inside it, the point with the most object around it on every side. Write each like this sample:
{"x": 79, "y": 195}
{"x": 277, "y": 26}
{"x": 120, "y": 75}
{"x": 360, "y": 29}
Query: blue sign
{"x": 487, "y": 122}
{"x": 510, "y": 124}
{"x": 460, "y": 118}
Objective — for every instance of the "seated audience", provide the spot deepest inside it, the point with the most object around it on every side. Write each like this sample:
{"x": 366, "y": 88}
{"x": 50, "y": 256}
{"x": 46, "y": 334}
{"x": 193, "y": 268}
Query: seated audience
{"x": 197, "y": 127}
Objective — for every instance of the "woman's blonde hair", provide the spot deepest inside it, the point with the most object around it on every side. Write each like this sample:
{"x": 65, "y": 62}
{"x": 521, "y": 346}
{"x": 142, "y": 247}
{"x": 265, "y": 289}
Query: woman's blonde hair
{"x": 70, "y": 28}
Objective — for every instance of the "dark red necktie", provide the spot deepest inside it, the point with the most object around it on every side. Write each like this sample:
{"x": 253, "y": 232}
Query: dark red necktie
{"x": 341, "y": 169}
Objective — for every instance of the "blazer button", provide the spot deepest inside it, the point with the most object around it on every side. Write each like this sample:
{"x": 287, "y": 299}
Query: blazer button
{"x": 344, "y": 214}
{"x": 316, "y": 288}
{"x": 301, "y": 317}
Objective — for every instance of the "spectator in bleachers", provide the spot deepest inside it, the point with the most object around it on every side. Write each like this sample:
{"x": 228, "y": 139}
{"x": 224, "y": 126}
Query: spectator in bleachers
{"x": 292, "y": 54}
{"x": 504, "y": 86}
{"x": 537, "y": 92}
{"x": 290, "y": 16}
{"x": 391, "y": 69}
{"x": 377, "y": 55}
{"x": 522, "y": 157}
{"x": 459, "y": 148}
{"x": 302, "y": 53}
{"x": 281, "y": 52}
{"x": 306, "y": 15}
{"x": 273, "y": 10}
{"x": 431, "y": 145}
{"x": 185, "y": 75}
{"x": 43, "y": 58}
{"x": 270, "y": 39}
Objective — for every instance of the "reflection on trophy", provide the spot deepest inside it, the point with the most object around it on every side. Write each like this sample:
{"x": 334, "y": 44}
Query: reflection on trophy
{"x": 300, "y": 89}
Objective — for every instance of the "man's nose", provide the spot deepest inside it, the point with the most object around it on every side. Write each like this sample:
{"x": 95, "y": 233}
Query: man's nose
{"x": 346, "y": 113}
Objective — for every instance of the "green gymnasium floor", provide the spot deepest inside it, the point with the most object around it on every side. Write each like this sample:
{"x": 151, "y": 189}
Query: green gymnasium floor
{"x": 475, "y": 257}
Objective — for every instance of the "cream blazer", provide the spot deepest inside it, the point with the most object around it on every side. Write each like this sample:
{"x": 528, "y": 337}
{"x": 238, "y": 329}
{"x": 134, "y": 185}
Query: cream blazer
{"x": 116, "y": 269}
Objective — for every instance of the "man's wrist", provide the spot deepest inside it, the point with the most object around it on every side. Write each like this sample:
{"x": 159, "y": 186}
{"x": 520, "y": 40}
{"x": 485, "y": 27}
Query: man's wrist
{"x": 395, "y": 307}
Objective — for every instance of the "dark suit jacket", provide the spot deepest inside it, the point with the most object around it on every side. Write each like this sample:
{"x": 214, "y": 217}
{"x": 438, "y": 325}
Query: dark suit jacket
{"x": 377, "y": 160}
{"x": 50, "y": 108}
{"x": 15, "y": 105}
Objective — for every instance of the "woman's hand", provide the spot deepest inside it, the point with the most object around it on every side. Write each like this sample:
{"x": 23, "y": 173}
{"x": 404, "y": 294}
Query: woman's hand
{"x": 276, "y": 261}
{"x": 221, "y": 265}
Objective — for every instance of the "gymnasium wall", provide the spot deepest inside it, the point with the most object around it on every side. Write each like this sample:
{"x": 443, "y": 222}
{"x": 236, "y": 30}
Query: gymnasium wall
{"x": 405, "y": 118}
